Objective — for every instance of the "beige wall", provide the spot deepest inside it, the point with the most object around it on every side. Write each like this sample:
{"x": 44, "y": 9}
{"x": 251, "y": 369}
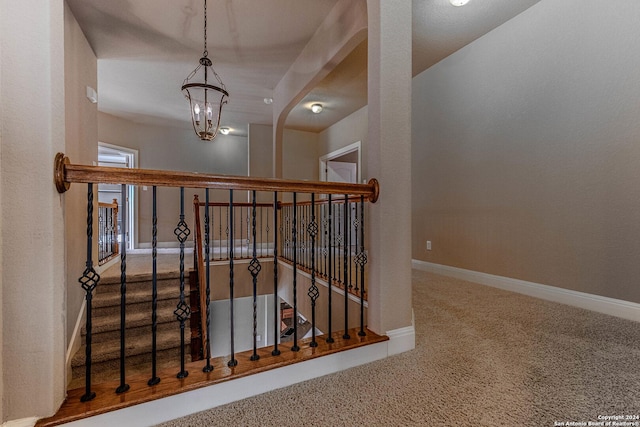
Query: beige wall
{"x": 81, "y": 124}
{"x": 351, "y": 129}
{"x": 179, "y": 149}
{"x": 300, "y": 155}
{"x": 32, "y": 120}
{"x": 389, "y": 160}
{"x": 525, "y": 151}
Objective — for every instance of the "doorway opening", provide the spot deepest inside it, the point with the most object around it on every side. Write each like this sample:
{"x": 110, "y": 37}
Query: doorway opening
{"x": 342, "y": 165}
{"x": 119, "y": 157}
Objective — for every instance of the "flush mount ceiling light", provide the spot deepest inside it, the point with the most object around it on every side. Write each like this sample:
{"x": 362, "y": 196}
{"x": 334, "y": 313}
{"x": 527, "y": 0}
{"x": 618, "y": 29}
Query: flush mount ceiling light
{"x": 225, "y": 130}
{"x": 458, "y": 2}
{"x": 206, "y": 94}
{"x": 268, "y": 101}
{"x": 316, "y": 108}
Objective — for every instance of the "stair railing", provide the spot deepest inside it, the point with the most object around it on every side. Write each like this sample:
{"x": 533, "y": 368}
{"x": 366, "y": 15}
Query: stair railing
{"x": 65, "y": 174}
{"x": 107, "y": 231}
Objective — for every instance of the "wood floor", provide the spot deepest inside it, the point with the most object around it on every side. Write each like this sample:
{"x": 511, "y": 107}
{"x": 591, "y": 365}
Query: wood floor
{"x": 107, "y": 400}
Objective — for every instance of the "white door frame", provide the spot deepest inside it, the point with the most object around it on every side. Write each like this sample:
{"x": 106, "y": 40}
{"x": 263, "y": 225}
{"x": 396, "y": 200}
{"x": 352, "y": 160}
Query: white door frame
{"x": 132, "y": 156}
{"x": 356, "y": 146}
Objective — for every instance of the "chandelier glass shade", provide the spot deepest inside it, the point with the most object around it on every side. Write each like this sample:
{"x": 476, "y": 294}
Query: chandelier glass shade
{"x": 206, "y": 94}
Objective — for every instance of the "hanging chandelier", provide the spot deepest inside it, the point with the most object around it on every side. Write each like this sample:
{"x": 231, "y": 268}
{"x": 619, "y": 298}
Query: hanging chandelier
{"x": 206, "y": 94}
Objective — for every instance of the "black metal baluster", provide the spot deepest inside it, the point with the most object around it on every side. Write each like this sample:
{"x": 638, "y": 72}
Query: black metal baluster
{"x": 227, "y": 231}
{"x": 356, "y": 225}
{"x": 362, "y": 260}
{"x": 345, "y": 266}
{"x": 294, "y": 239}
{"x": 261, "y": 232}
{"x": 154, "y": 291}
{"x": 336, "y": 243}
{"x": 207, "y": 260}
{"x": 232, "y": 362}
{"x": 220, "y": 232}
{"x": 101, "y": 232}
{"x": 330, "y": 275}
{"x": 313, "y": 293}
{"x": 112, "y": 231}
{"x": 266, "y": 227}
{"x": 89, "y": 280}
{"x": 351, "y": 251}
{"x": 182, "y": 311}
{"x": 276, "y": 301}
{"x": 325, "y": 240}
{"x": 248, "y": 235}
{"x": 301, "y": 232}
{"x": 254, "y": 269}
{"x": 123, "y": 290}
{"x": 241, "y": 239}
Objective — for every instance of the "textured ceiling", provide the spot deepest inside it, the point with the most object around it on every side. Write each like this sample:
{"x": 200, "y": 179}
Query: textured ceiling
{"x": 146, "y": 48}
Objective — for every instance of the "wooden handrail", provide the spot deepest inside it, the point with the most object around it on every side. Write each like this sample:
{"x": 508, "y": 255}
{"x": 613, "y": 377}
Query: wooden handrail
{"x": 340, "y": 200}
{"x": 66, "y": 173}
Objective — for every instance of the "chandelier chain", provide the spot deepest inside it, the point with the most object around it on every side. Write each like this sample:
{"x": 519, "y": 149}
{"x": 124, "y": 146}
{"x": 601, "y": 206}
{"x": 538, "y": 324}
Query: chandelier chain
{"x": 205, "y": 54}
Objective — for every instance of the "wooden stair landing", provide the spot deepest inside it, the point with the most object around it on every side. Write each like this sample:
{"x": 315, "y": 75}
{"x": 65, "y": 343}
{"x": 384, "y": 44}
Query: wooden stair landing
{"x": 107, "y": 400}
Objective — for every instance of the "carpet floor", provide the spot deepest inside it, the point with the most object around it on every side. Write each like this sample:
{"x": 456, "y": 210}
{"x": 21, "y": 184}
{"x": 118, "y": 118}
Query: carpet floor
{"x": 483, "y": 357}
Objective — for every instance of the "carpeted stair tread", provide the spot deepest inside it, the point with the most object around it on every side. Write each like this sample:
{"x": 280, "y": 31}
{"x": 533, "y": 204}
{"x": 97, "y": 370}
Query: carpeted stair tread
{"x": 109, "y": 299}
{"x": 133, "y": 332}
{"x": 141, "y": 277}
{"x": 133, "y": 320}
{"x": 110, "y": 350}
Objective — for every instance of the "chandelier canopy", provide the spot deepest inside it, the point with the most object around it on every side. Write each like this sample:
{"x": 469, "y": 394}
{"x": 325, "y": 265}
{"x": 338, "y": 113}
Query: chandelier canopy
{"x": 206, "y": 94}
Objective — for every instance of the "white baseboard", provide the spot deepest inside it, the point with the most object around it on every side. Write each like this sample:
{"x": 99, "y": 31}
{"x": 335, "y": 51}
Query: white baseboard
{"x": 181, "y": 405}
{"x": 611, "y": 306}
{"x": 76, "y": 339}
{"x": 23, "y": 422}
{"x": 401, "y": 340}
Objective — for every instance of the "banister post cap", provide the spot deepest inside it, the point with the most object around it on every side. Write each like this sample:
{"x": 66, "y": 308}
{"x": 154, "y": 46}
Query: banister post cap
{"x": 376, "y": 190}
{"x": 59, "y": 164}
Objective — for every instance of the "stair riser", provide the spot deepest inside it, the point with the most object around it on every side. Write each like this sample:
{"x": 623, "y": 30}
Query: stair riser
{"x": 142, "y": 307}
{"x": 112, "y": 323}
{"x": 142, "y": 285}
{"x": 134, "y": 333}
{"x": 163, "y": 356}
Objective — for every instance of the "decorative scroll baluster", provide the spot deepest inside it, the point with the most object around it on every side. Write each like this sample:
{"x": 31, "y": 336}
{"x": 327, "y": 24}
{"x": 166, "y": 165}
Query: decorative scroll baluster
{"x": 207, "y": 366}
{"x": 232, "y": 362}
{"x": 313, "y": 293}
{"x": 294, "y": 241}
{"x": 329, "y": 266}
{"x": 356, "y": 225}
{"x": 336, "y": 242}
{"x": 123, "y": 291}
{"x": 361, "y": 260}
{"x": 276, "y": 301}
{"x": 154, "y": 291}
{"x": 89, "y": 280}
{"x": 254, "y": 269}
{"x": 345, "y": 266}
{"x": 182, "y": 311}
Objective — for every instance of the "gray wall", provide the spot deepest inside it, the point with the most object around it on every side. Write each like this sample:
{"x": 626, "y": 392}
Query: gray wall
{"x": 526, "y": 150}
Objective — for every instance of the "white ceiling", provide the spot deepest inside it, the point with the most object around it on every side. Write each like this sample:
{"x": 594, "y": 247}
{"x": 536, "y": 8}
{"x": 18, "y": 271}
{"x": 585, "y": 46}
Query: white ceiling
{"x": 146, "y": 48}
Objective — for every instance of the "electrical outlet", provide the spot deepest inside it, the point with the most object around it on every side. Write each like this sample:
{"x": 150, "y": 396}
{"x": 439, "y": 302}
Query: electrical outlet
{"x": 428, "y": 245}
